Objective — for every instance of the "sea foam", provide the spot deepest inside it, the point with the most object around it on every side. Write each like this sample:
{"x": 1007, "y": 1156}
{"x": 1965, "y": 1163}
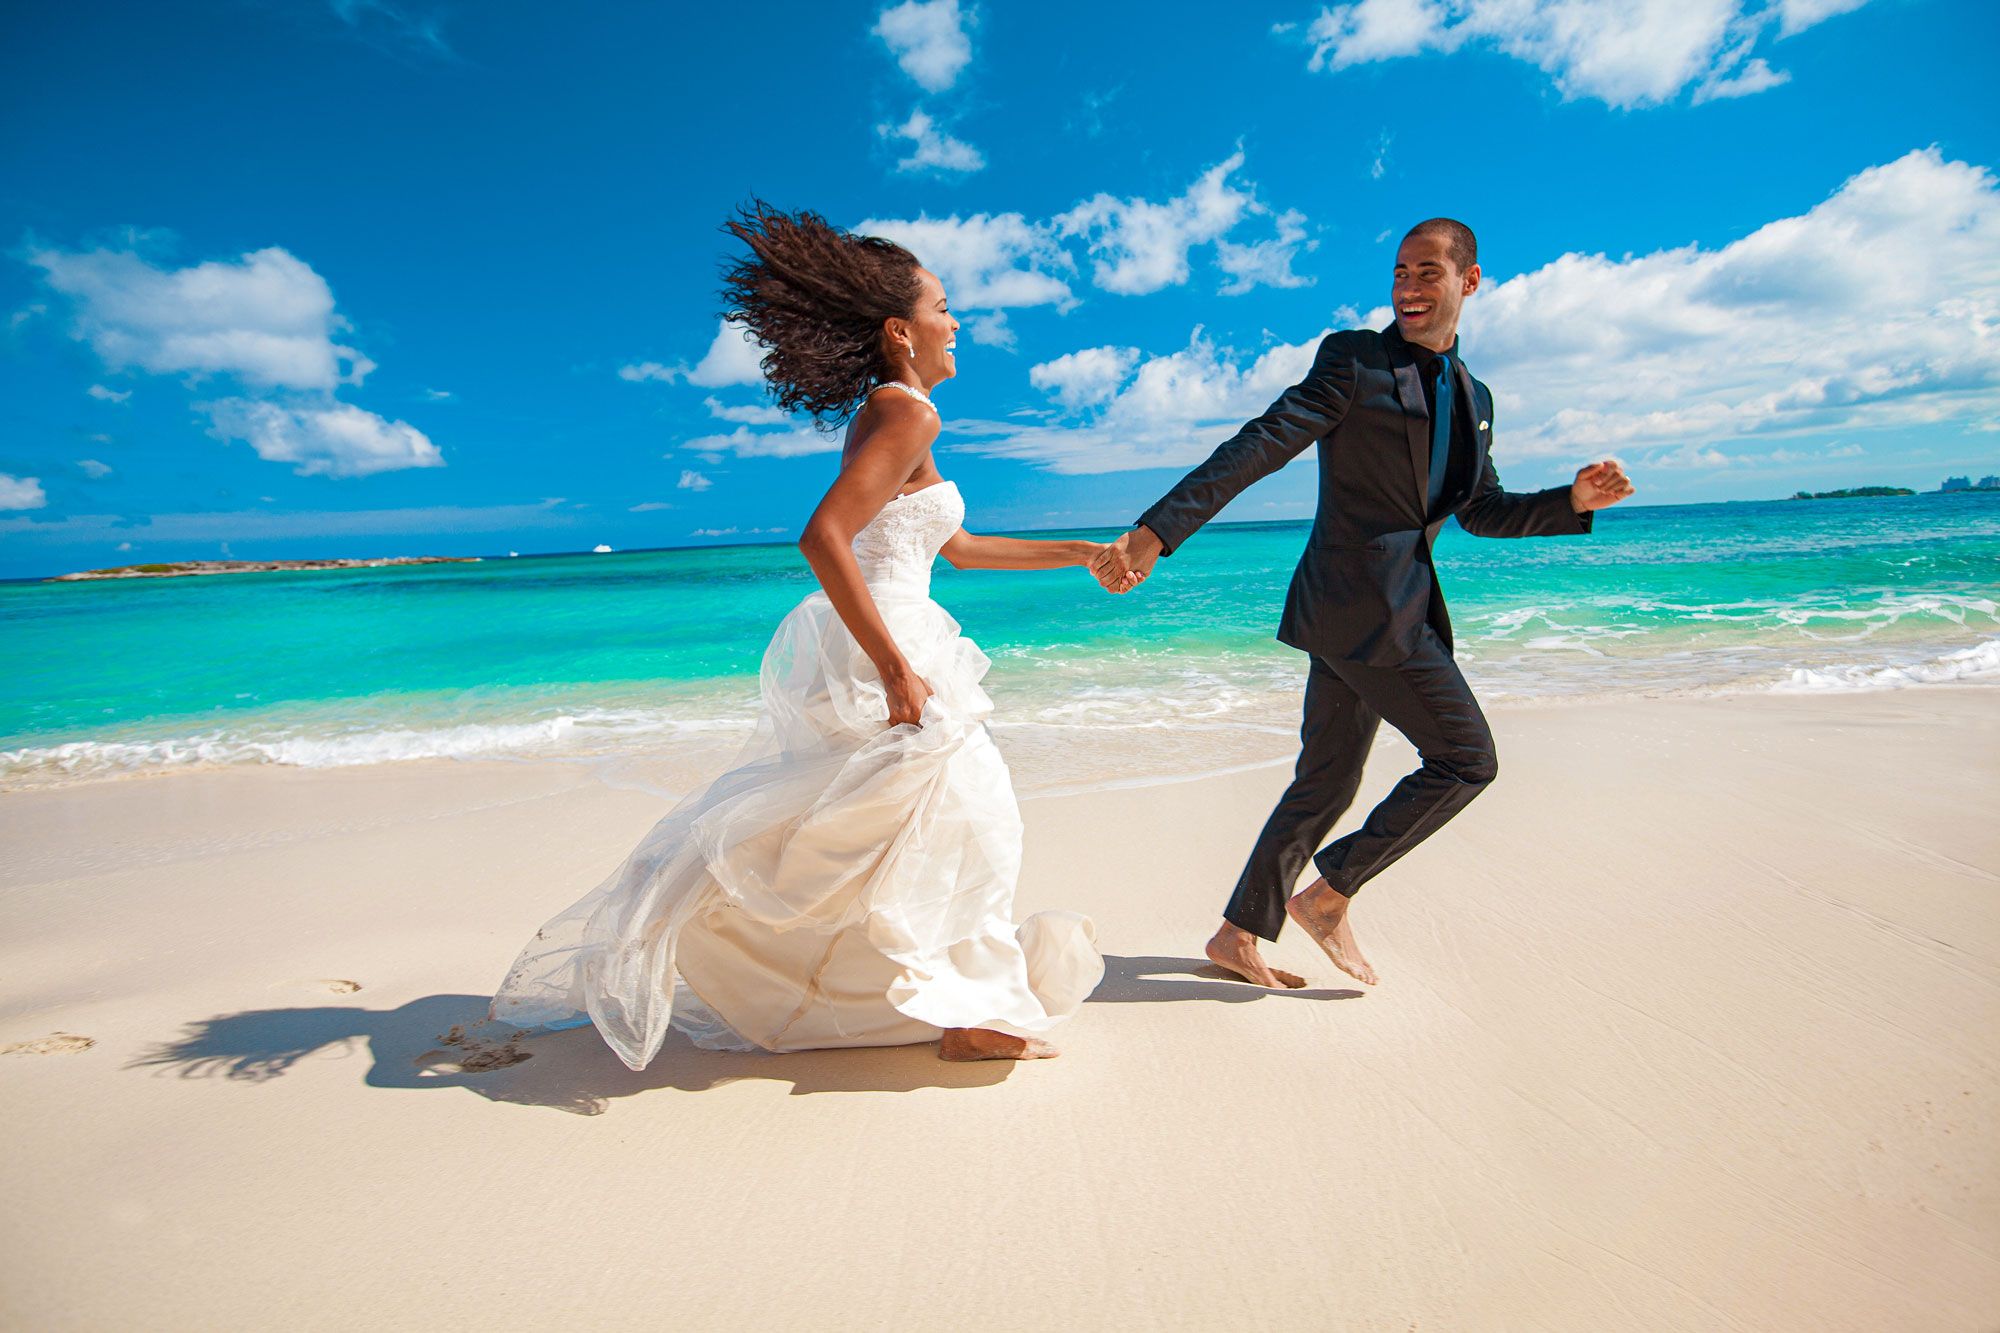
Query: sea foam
{"x": 1980, "y": 662}
{"x": 564, "y": 734}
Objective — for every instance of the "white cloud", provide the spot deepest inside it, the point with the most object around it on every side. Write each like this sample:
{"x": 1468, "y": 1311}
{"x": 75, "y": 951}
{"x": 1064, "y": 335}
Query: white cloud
{"x": 1755, "y": 77}
{"x": 93, "y": 469}
{"x": 21, "y": 492}
{"x": 986, "y": 261}
{"x": 693, "y": 481}
{"x": 1087, "y": 377}
{"x": 935, "y": 150}
{"x": 1377, "y": 30}
{"x": 734, "y": 532}
{"x": 929, "y": 40}
{"x": 1794, "y": 457}
{"x": 1266, "y": 263}
{"x": 1631, "y": 54}
{"x": 1002, "y": 260}
{"x": 650, "y": 370}
{"x": 126, "y": 546}
{"x": 649, "y": 507}
{"x": 1796, "y": 16}
{"x": 992, "y": 331}
{"x": 1140, "y": 246}
{"x": 746, "y": 443}
{"x": 1878, "y": 307}
{"x": 1170, "y": 413}
{"x": 324, "y": 440}
{"x": 1691, "y": 456}
{"x": 437, "y": 395}
{"x": 266, "y": 318}
{"x": 733, "y": 358}
{"x": 1380, "y": 166}
{"x": 752, "y": 414}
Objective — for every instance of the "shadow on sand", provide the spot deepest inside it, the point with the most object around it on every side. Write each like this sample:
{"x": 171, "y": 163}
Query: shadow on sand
{"x": 1157, "y": 979}
{"x": 413, "y": 1047}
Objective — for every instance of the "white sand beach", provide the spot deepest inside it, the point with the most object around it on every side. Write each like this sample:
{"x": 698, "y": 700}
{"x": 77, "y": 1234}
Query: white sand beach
{"x": 1689, "y": 1023}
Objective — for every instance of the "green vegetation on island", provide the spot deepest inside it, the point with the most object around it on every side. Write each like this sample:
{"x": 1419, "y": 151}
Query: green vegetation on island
{"x": 1854, "y": 493}
{"x": 185, "y": 568}
{"x": 1952, "y": 486}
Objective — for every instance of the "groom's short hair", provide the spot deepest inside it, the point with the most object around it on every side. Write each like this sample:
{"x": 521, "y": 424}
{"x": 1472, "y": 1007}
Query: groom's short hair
{"x": 1459, "y": 242}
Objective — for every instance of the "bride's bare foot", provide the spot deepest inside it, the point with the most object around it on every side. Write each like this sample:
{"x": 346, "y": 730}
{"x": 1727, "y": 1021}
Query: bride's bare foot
{"x": 986, "y": 1044}
{"x": 1235, "y": 949}
{"x": 1321, "y": 911}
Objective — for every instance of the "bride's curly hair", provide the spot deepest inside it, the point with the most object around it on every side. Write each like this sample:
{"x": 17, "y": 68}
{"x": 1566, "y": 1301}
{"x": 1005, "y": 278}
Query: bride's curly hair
{"x": 815, "y": 296}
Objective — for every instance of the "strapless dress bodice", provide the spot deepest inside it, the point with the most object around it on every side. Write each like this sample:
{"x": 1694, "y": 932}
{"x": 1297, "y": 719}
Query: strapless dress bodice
{"x": 897, "y": 547}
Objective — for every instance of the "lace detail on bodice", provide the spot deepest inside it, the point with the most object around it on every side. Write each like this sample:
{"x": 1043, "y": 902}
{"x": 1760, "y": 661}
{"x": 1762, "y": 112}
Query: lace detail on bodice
{"x": 898, "y": 545}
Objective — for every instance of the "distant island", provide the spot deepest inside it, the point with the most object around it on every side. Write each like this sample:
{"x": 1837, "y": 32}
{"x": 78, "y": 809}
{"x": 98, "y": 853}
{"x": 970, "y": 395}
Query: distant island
{"x": 1952, "y": 486}
{"x": 1853, "y": 493}
{"x": 184, "y": 568}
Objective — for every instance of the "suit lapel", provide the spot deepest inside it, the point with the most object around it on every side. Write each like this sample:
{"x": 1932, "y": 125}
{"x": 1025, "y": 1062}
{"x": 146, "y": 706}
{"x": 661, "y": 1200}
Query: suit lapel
{"x": 1416, "y": 415}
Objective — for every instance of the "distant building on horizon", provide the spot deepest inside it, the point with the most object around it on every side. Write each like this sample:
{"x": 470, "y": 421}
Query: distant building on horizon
{"x": 1986, "y": 483}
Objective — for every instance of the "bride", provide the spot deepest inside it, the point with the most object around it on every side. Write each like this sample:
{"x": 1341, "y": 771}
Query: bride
{"x": 850, "y": 882}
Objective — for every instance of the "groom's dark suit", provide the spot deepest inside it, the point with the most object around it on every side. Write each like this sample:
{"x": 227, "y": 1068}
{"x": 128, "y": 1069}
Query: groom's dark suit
{"x": 1364, "y": 600}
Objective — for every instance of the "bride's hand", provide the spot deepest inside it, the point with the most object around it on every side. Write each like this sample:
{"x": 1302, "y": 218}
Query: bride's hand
{"x": 907, "y": 692}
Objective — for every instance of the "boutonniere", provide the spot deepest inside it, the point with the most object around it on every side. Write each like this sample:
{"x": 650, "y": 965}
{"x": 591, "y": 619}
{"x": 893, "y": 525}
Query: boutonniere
{"x": 1486, "y": 425}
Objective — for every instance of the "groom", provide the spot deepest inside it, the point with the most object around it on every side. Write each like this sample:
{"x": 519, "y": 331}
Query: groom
{"x": 1404, "y": 433}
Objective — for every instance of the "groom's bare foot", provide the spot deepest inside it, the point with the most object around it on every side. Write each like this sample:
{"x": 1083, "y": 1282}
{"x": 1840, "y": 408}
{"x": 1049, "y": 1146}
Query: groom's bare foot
{"x": 1235, "y": 949}
{"x": 986, "y": 1044}
{"x": 1321, "y": 911}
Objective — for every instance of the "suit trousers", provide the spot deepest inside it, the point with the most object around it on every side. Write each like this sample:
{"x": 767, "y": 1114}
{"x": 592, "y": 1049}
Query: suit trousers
{"x": 1426, "y": 698}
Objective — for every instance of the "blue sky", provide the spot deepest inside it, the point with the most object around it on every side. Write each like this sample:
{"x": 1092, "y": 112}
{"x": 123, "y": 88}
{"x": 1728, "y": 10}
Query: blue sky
{"x": 362, "y": 278}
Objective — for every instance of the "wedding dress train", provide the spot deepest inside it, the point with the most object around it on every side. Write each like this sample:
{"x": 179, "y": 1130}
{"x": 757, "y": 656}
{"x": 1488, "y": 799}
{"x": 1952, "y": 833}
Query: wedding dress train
{"x": 847, "y": 883}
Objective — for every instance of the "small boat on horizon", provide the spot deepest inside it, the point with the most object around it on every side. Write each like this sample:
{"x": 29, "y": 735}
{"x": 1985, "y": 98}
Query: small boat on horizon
{"x": 600, "y": 549}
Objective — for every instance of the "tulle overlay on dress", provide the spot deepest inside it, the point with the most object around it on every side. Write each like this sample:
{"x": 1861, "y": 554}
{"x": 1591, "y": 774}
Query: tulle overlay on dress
{"x": 845, "y": 883}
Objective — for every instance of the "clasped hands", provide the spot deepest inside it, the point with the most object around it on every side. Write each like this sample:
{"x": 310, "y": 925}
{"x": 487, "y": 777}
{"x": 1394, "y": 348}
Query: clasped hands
{"x": 1124, "y": 564}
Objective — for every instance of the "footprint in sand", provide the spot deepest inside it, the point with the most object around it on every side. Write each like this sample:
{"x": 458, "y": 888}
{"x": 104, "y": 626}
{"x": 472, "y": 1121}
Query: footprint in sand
{"x": 472, "y": 1058}
{"x": 56, "y": 1043}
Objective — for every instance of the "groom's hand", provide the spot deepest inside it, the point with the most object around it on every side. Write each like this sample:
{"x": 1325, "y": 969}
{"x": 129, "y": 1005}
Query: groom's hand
{"x": 1125, "y": 563}
{"x": 1599, "y": 486}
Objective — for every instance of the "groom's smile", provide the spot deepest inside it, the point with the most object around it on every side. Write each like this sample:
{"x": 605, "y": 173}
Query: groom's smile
{"x": 1427, "y": 290}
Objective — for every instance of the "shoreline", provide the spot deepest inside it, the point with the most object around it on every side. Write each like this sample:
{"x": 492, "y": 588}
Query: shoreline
{"x": 1685, "y": 1023}
{"x": 696, "y": 747}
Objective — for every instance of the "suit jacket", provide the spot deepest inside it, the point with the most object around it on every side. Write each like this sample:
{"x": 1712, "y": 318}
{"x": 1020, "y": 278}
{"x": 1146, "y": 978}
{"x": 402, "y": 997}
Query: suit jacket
{"x": 1366, "y": 584}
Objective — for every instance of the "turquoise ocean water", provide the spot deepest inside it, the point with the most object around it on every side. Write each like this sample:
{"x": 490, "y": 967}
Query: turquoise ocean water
{"x": 600, "y": 654}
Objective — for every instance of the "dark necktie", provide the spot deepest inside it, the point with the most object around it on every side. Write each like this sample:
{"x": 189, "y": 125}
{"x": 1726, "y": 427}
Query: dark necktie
{"x": 1440, "y": 437}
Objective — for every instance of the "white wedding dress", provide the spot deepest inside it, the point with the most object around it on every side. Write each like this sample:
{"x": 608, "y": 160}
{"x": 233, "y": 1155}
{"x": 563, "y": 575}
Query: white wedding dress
{"x": 847, "y": 883}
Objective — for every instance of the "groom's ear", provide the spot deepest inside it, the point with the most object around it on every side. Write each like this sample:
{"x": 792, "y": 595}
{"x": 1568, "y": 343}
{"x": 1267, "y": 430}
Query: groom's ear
{"x": 1472, "y": 280}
